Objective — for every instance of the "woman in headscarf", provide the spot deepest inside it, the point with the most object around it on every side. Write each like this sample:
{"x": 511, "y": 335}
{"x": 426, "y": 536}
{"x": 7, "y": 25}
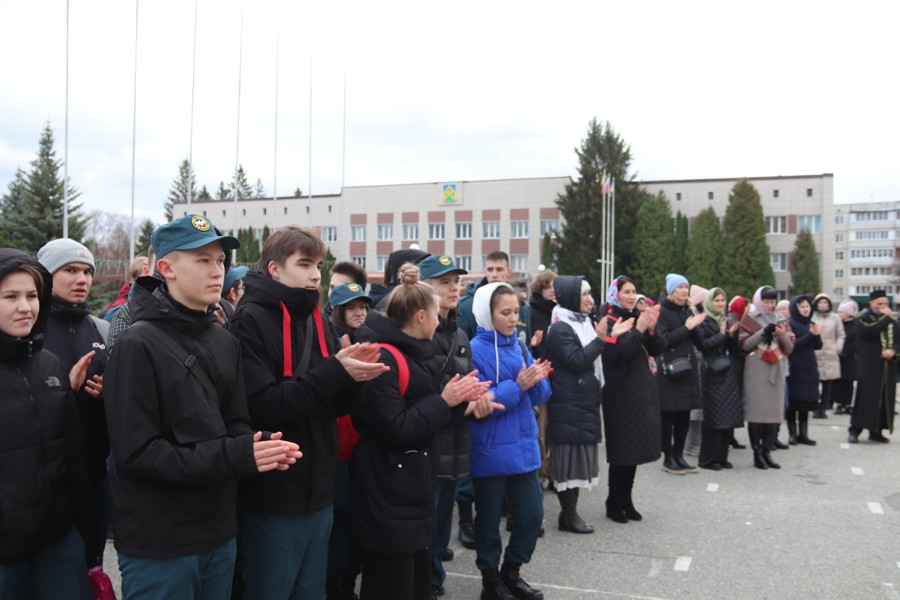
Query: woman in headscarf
{"x": 803, "y": 380}
{"x": 736, "y": 309}
{"x": 765, "y": 339}
{"x": 843, "y": 390}
{"x": 631, "y": 399}
{"x": 828, "y": 357}
{"x": 722, "y": 408}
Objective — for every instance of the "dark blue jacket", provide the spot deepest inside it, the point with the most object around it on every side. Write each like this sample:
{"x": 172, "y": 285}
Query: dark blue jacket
{"x": 803, "y": 380}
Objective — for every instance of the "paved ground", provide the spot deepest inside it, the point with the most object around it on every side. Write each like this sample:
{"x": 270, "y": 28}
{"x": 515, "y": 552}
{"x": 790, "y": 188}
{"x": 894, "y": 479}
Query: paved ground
{"x": 824, "y": 526}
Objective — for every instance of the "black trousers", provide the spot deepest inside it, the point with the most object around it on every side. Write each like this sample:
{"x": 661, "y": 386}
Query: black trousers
{"x": 714, "y": 446}
{"x": 675, "y": 427}
{"x": 403, "y": 577}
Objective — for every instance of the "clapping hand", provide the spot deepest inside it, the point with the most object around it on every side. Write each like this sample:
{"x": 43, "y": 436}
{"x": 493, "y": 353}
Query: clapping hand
{"x": 360, "y": 360}
{"x": 274, "y": 453}
{"x": 534, "y": 374}
{"x": 464, "y": 389}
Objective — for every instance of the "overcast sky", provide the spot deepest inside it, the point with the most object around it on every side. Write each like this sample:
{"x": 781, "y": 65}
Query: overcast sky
{"x": 450, "y": 91}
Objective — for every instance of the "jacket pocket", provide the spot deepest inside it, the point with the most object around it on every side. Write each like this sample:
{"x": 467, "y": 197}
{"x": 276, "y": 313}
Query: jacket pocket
{"x": 199, "y": 429}
{"x": 409, "y": 477}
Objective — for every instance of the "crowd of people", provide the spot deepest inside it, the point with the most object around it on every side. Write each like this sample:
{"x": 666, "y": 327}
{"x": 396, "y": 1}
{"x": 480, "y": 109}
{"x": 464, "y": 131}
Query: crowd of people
{"x": 238, "y": 440}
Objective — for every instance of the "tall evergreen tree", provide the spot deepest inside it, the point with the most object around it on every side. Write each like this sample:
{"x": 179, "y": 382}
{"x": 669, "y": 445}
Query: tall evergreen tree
{"x": 258, "y": 190}
{"x": 654, "y": 240}
{"x": 40, "y": 218}
{"x": 578, "y": 244}
{"x": 184, "y": 188}
{"x": 746, "y": 263}
{"x": 142, "y": 242}
{"x": 12, "y": 207}
{"x": 204, "y": 196}
{"x": 704, "y": 252}
{"x": 224, "y": 192}
{"x": 239, "y": 184}
{"x": 548, "y": 251}
{"x": 805, "y": 265}
{"x": 680, "y": 245}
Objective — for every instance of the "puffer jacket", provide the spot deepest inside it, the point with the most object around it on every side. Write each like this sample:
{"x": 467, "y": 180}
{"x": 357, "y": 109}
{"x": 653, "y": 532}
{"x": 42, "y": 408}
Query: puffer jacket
{"x": 683, "y": 392}
{"x": 803, "y": 379}
{"x": 828, "y": 357}
{"x": 44, "y": 489}
{"x": 507, "y": 443}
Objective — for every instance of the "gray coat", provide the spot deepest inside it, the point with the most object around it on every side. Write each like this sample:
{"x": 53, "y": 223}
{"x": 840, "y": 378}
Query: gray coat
{"x": 829, "y": 357}
{"x": 763, "y": 382}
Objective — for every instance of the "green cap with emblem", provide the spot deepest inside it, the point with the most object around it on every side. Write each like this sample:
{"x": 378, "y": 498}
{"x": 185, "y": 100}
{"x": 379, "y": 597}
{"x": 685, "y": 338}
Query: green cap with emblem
{"x": 348, "y": 292}
{"x": 437, "y": 265}
{"x": 187, "y": 233}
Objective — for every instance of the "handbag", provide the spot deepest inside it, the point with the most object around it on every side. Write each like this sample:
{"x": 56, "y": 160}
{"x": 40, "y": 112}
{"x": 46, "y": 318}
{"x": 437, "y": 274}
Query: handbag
{"x": 718, "y": 365}
{"x": 101, "y": 586}
{"x": 676, "y": 367}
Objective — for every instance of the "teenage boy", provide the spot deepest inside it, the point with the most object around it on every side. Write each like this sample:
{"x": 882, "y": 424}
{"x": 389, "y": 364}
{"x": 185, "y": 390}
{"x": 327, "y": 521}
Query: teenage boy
{"x": 299, "y": 378}
{"x": 180, "y": 442}
{"x": 496, "y": 268}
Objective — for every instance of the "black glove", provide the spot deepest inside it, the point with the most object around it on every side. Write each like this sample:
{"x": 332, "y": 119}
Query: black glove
{"x": 769, "y": 333}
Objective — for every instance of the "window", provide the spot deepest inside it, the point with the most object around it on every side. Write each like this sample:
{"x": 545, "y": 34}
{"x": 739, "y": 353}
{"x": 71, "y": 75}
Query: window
{"x": 872, "y": 253}
{"x": 518, "y": 229}
{"x": 265, "y": 211}
{"x": 838, "y": 256}
{"x": 464, "y": 262}
{"x": 838, "y": 273}
{"x": 357, "y": 233}
{"x": 223, "y": 213}
{"x": 381, "y": 262}
{"x": 839, "y": 237}
{"x": 410, "y": 231}
{"x": 329, "y": 208}
{"x": 838, "y": 291}
{"x": 204, "y": 213}
{"x": 778, "y": 261}
{"x": 550, "y": 226}
{"x": 812, "y": 223}
{"x": 776, "y": 224}
{"x": 307, "y": 210}
{"x": 839, "y": 220}
{"x": 243, "y": 212}
{"x": 386, "y": 232}
{"x": 329, "y": 234}
{"x": 285, "y": 209}
{"x": 883, "y": 234}
{"x": 491, "y": 230}
{"x": 809, "y": 192}
{"x": 518, "y": 263}
{"x": 360, "y": 260}
{"x": 464, "y": 231}
{"x": 774, "y": 193}
{"x": 711, "y": 195}
{"x": 435, "y": 231}
{"x": 869, "y": 271}
{"x": 678, "y": 196}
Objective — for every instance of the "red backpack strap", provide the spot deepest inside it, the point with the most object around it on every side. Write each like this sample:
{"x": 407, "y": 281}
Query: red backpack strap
{"x": 402, "y": 367}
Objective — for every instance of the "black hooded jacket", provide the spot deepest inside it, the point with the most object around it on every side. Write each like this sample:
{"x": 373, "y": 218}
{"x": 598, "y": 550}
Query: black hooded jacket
{"x": 396, "y": 259}
{"x": 177, "y": 454}
{"x": 803, "y": 380}
{"x": 43, "y": 473}
{"x": 574, "y": 406}
{"x": 393, "y": 468}
{"x": 541, "y": 309}
{"x": 303, "y": 406}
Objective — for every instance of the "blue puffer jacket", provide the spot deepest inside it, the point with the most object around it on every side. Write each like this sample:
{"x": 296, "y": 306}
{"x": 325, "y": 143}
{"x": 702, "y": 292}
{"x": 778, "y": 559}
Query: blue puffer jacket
{"x": 507, "y": 443}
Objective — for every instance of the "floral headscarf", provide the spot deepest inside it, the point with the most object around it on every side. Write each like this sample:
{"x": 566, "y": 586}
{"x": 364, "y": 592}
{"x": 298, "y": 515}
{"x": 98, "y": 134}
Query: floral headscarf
{"x": 612, "y": 294}
{"x": 757, "y": 298}
{"x": 708, "y": 307}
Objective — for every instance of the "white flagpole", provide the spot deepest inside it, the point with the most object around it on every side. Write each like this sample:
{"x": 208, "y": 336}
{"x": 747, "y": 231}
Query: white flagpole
{"x": 603, "y": 256}
{"x": 237, "y": 144}
{"x": 309, "y": 193}
{"x": 191, "y": 140}
{"x": 65, "y": 222}
{"x": 134, "y": 130}
{"x": 612, "y": 227}
{"x": 275, "y": 171}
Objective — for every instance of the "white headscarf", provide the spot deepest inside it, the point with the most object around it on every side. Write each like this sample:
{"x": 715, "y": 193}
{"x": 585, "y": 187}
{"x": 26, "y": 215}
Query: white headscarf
{"x": 583, "y": 326}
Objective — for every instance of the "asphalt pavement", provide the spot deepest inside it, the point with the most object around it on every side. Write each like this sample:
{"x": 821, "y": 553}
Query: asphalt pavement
{"x": 823, "y": 526}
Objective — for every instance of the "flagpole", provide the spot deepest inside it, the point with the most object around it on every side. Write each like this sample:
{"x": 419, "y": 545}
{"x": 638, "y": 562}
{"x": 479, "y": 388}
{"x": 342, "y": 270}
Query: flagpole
{"x": 612, "y": 228}
{"x": 602, "y": 232}
{"x": 65, "y": 223}
{"x": 134, "y": 129}
{"x": 191, "y": 138}
{"x": 237, "y": 144}
{"x": 275, "y": 160}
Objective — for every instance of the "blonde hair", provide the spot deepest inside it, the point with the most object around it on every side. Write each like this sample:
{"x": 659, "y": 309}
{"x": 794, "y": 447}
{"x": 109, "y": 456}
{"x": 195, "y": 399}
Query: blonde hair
{"x": 137, "y": 266}
{"x": 543, "y": 280}
{"x": 409, "y": 297}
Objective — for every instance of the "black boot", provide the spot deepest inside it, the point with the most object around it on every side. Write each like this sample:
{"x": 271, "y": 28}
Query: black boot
{"x": 803, "y": 438}
{"x": 466, "y": 535}
{"x": 492, "y": 586}
{"x": 768, "y": 440}
{"x": 670, "y": 466}
{"x": 754, "y": 434}
{"x": 569, "y": 519}
{"x": 509, "y": 574}
{"x": 736, "y": 444}
{"x": 777, "y": 445}
{"x": 626, "y": 502}
{"x": 679, "y": 460}
{"x": 792, "y": 431}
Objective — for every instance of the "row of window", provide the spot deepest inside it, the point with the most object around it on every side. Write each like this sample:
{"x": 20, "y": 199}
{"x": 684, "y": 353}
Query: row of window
{"x": 779, "y": 261}
{"x": 518, "y": 263}
{"x": 490, "y": 230}
{"x": 779, "y": 224}
{"x": 712, "y": 195}
{"x": 871, "y": 253}
{"x": 865, "y": 289}
{"x": 865, "y": 271}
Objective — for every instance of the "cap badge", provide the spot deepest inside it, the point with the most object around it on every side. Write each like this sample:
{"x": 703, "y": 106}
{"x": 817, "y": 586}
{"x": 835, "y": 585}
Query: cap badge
{"x": 200, "y": 223}
{"x": 445, "y": 260}
{"x": 354, "y": 287}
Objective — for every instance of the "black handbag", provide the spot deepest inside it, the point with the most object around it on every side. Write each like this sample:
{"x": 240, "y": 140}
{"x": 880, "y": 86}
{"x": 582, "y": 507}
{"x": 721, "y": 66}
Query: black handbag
{"x": 676, "y": 367}
{"x": 718, "y": 365}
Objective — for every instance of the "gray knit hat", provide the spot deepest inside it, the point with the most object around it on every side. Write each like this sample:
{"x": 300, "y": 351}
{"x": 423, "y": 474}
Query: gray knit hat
{"x": 58, "y": 253}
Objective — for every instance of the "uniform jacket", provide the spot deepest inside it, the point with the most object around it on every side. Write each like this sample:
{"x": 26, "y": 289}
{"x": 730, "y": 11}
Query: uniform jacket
{"x": 176, "y": 453}
{"x": 43, "y": 472}
{"x": 302, "y": 406}
{"x": 682, "y": 393}
{"x": 507, "y": 443}
{"x": 828, "y": 357}
{"x": 803, "y": 380}
{"x": 393, "y": 469}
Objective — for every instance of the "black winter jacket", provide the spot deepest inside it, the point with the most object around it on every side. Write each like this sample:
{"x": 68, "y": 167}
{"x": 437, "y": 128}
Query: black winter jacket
{"x": 176, "y": 453}
{"x": 681, "y": 393}
{"x": 43, "y": 473}
{"x": 574, "y": 406}
{"x": 452, "y": 444}
{"x": 392, "y": 471}
{"x": 71, "y": 333}
{"x": 848, "y": 352}
{"x": 541, "y": 309}
{"x": 803, "y": 379}
{"x": 722, "y": 406}
{"x": 303, "y": 406}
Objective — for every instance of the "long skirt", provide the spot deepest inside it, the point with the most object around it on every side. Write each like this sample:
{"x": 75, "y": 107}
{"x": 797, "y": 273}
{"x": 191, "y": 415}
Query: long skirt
{"x": 576, "y": 465}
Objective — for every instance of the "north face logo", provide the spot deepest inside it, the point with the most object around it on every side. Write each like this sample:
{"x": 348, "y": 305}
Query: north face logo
{"x": 52, "y": 382}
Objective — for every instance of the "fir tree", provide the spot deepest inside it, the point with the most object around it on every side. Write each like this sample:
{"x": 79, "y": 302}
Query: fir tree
{"x": 259, "y": 190}
{"x": 746, "y": 263}
{"x": 578, "y": 244}
{"x": 12, "y": 207}
{"x": 805, "y": 265}
{"x": 679, "y": 249}
{"x": 297, "y": 193}
{"x": 204, "y": 196}
{"x": 224, "y": 192}
{"x": 142, "y": 243}
{"x": 704, "y": 252}
{"x": 183, "y": 190}
{"x": 239, "y": 185}
{"x": 548, "y": 251}
{"x": 654, "y": 239}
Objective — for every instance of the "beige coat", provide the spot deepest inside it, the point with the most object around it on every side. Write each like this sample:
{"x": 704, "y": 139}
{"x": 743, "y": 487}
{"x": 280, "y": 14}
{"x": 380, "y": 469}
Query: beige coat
{"x": 828, "y": 358}
{"x": 764, "y": 382}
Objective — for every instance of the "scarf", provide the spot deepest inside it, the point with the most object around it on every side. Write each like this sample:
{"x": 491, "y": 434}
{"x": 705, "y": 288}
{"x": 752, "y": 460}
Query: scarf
{"x": 612, "y": 293}
{"x": 584, "y": 329}
{"x": 710, "y": 310}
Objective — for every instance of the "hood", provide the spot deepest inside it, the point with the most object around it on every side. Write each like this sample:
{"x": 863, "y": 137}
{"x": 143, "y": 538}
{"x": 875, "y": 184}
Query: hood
{"x": 738, "y": 306}
{"x": 11, "y": 260}
{"x": 269, "y": 293}
{"x": 481, "y": 304}
{"x": 377, "y": 328}
{"x": 815, "y": 303}
{"x": 151, "y": 302}
{"x": 538, "y": 302}
{"x": 397, "y": 259}
{"x": 568, "y": 292}
{"x": 795, "y": 312}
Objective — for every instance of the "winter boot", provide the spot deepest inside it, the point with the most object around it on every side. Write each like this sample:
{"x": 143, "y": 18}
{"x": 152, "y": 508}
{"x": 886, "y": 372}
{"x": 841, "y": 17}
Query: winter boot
{"x": 754, "y": 434}
{"x": 492, "y": 586}
{"x": 569, "y": 519}
{"x": 509, "y": 574}
{"x": 792, "y": 431}
{"x": 768, "y": 439}
{"x": 627, "y": 504}
{"x": 803, "y": 438}
{"x": 466, "y": 535}
{"x": 681, "y": 462}
{"x": 777, "y": 444}
{"x": 670, "y": 466}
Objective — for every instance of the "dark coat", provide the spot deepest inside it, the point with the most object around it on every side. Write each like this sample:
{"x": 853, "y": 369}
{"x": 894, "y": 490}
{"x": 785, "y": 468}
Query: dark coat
{"x": 176, "y": 453}
{"x": 303, "y": 406}
{"x": 683, "y": 392}
{"x": 392, "y": 471}
{"x": 72, "y": 333}
{"x": 848, "y": 352}
{"x": 631, "y": 396}
{"x": 43, "y": 473}
{"x": 803, "y": 378}
{"x": 574, "y": 405}
{"x": 876, "y": 387}
{"x": 453, "y": 443}
{"x": 541, "y": 309}
{"x": 722, "y": 404}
